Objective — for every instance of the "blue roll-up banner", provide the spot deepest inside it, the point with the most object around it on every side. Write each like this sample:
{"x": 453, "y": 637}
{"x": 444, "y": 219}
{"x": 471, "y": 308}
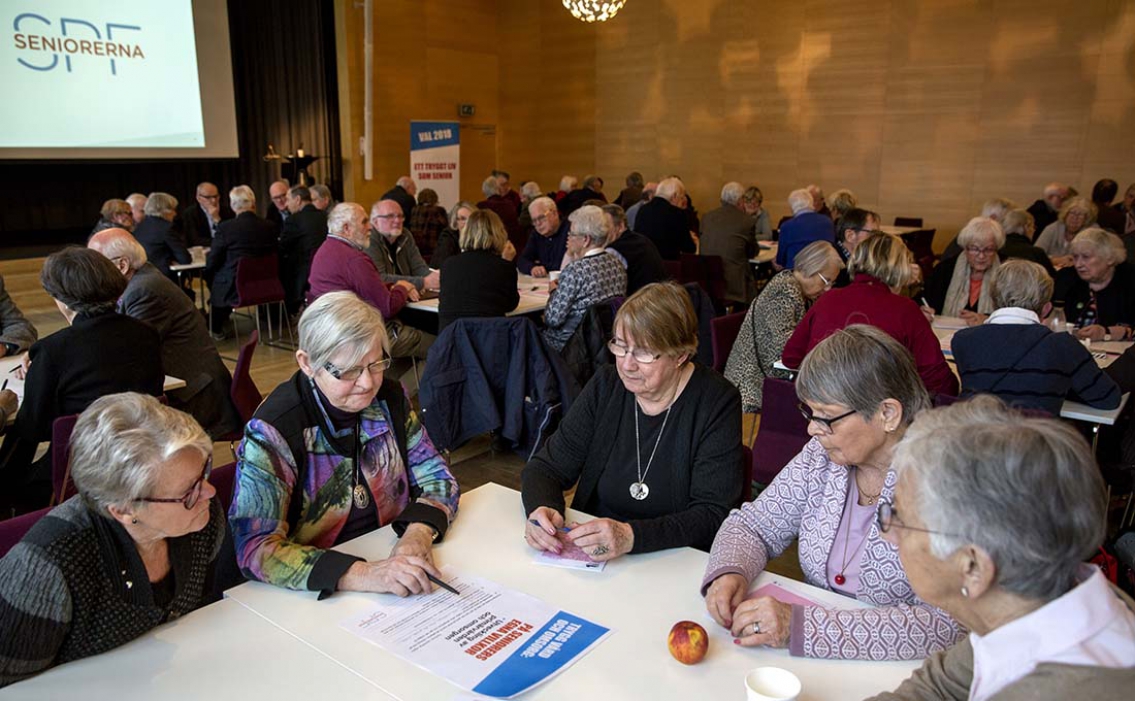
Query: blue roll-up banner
{"x": 435, "y": 159}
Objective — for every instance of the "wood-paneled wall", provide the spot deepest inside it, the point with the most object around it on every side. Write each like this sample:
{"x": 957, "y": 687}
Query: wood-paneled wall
{"x": 921, "y": 107}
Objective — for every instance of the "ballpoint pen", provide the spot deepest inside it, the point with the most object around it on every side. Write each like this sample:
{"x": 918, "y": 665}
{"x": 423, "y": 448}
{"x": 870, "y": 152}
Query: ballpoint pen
{"x": 441, "y": 584}
{"x": 536, "y": 523}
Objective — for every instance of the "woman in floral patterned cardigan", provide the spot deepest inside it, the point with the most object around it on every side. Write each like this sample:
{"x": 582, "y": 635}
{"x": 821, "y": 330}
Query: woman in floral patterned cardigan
{"x": 860, "y": 390}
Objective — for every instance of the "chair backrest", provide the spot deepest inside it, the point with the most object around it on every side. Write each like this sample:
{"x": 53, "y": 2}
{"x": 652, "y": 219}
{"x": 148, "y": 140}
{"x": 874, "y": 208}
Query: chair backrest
{"x": 258, "y": 280}
{"x": 724, "y": 330}
{"x": 246, "y": 397}
{"x": 61, "y": 485}
{"x": 586, "y": 350}
{"x": 222, "y": 479}
{"x": 908, "y": 221}
{"x": 708, "y": 272}
{"x": 783, "y": 431}
{"x": 13, "y": 530}
{"x": 673, "y": 269}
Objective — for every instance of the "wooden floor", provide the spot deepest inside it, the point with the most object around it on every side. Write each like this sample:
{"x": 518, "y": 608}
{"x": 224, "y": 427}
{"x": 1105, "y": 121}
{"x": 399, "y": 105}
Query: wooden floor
{"x": 473, "y": 464}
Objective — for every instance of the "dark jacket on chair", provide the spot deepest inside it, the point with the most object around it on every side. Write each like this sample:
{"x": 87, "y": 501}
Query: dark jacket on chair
{"x": 300, "y": 237}
{"x": 163, "y": 242}
{"x": 494, "y": 375}
{"x": 586, "y": 351}
{"x": 246, "y": 236}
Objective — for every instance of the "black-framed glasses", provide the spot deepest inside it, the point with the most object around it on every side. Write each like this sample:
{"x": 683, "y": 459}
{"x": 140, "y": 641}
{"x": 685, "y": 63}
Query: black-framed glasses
{"x": 984, "y": 251}
{"x": 190, "y": 498}
{"x": 540, "y": 219}
{"x": 887, "y": 517}
{"x": 869, "y": 231}
{"x": 640, "y": 355}
{"x": 823, "y": 423}
{"x": 353, "y": 374}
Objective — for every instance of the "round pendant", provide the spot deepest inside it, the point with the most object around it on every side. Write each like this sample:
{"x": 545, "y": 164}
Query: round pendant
{"x": 840, "y": 579}
{"x": 360, "y": 496}
{"x": 639, "y": 491}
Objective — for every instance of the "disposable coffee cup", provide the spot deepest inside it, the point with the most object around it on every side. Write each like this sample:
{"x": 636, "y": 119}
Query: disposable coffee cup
{"x": 771, "y": 684}
{"x": 554, "y": 275}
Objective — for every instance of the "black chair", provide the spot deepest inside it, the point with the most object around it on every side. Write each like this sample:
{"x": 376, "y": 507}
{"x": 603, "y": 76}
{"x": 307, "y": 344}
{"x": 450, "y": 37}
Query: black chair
{"x": 908, "y": 221}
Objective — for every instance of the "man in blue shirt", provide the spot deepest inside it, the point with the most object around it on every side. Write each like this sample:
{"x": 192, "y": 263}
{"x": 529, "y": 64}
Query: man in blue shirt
{"x": 806, "y": 226}
{"x": 545, "y": 252}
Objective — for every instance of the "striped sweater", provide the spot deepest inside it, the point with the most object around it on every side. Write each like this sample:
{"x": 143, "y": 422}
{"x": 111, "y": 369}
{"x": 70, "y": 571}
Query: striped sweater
{"x": 1029, "y": 366}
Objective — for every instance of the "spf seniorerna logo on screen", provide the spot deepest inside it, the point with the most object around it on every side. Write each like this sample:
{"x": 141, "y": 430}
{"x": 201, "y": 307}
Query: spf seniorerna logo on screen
{"x": 40, "y": 39}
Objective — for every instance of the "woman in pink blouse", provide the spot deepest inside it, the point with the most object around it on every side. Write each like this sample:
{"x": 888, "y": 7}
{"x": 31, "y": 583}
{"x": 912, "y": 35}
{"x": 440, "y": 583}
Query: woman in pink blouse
{"x": 993, "y": 515}
{"x": 860, "y": 390}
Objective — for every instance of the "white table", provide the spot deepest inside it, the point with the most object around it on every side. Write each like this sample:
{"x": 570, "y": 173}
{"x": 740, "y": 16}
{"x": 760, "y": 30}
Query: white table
{"x": 223, "y": 651}
{"x": 765, "y": 254}
{"x": 533, "y": 297}
{"x": 9, "y": 364}
{"x": 640, "y": 597}
{"x": 899, "y": 230}
{"x": 194, "y": 268}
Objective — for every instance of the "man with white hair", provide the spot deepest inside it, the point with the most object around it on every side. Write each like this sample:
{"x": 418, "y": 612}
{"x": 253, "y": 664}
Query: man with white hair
{"x": 245, "y": 236}
{"x": 495, "y": 201}
{"x": 818, "y": 203}
{"x": 159, "y": 235}
{"x": 187, "y": 350}
{"x": 632, "y": 211}
{"x": 730, "y": 232}
{"x": 663, "y": 220}
{"x": 544, "y": 252}
{"x": 342, "y": 263}
{"x": 321, "y": 197}
{"x": 1046, "y": 210}
{"x": 137, "y": 202}
{"x": 404, "y": 193}
{"x": 277, "y": 212}
{"x": 806, "y": 226}
{"x": 199, "y": 221}
{"x": 592, "y": 190}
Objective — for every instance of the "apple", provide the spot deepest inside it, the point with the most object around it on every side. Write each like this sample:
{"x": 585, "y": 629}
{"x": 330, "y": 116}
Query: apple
{"x": 688, "y": 642}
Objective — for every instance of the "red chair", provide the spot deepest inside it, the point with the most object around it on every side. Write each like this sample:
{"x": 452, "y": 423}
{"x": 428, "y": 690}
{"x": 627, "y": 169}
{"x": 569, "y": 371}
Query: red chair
{"x": 13, "y": 530}
{"x": 258, "y": 282}
{"x": 723, "y": 332}
{"x": 243, "y": 391}
{"x": 708, "y": 272}
{"x": 783, "y": 431}
{"x": 61, "y": 486}
{"x": 673, "y": 269}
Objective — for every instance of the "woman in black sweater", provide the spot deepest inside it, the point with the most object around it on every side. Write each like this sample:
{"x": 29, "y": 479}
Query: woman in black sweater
{"x": 478, "y": 282}
{"x": 653, "y": 443}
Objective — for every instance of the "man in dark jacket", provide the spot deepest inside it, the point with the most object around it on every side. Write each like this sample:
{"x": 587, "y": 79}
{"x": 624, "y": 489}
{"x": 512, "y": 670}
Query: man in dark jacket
{"x": 731, "y": 233}
{"x": 403, "y": 193}
{"x": 504, "y": 209}
{"x": 592, "y": 190}
{"x": 1045, "y": 211}
{"x": 639, "y": 255}
{"x": 544, "y": 252}
{"x": 187, "y": 351}
{"x": 277, "y": 212}
{"x": 199, "y": 221}
{"x": 245, "y": 236}
{"x": 663, "y": 220}
{"x": 159, "y": 235}
{"x": 300, "y": 237}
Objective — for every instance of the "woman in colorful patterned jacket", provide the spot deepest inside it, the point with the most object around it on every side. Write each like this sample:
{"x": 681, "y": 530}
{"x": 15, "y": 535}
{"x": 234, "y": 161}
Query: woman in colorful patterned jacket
{"x": 338, "y": 421}
{"x": 860, "y": 390}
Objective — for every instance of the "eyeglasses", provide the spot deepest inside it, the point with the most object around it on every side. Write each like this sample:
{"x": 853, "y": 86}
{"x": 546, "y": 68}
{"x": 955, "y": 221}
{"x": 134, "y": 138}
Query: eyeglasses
{"x": 827, "y": 283}
{"x": 389, "y": 216}
{"x": 869, "y": 231}
{"x": 975, "y": 251}
{"x": 640, "y": 355}
{"x": 887, "y": 517}
{"x": 190, "y": 499}
{"x": 353, "y": 374}
{"x": 212, "y": 197}
{"x": 576, "y": 235}
{"x": 540, "y": 219}
{"x": 824, "y": 424}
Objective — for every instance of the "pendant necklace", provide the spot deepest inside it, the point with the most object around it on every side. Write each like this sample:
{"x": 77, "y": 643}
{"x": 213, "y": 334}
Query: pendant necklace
{"x": 840, "y": 579}
{"x": 639, "y": 489}
{"x": 361, "y": 493}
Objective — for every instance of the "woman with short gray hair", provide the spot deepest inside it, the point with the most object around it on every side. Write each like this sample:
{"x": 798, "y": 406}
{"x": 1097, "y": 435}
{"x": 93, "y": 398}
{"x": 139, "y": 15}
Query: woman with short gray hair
{"x": 1098, "y": 290}
{"x": 993, "y": 516}
{"x": 859, "y": 391}
{"x": 134, "y": 549}
{"x": 594, "y": 276}
{"x": 956, "y": 287}
{"x": 1077, "y": 214}
{"x": 334, "y": 453}
{"x": 773, "y": 316}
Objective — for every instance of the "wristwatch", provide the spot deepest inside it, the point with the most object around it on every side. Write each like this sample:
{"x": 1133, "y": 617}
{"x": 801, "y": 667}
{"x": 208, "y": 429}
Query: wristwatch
{"x": 1107, "y": 336}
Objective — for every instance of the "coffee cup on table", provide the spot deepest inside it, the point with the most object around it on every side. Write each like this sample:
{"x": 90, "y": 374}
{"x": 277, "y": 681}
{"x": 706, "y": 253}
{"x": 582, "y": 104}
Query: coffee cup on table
{"x": 771, "y": 684}
{"x": 553, "y": 275}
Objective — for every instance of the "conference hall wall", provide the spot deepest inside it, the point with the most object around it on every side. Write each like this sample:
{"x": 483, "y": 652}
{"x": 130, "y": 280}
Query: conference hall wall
{"x": 922, "y": 108}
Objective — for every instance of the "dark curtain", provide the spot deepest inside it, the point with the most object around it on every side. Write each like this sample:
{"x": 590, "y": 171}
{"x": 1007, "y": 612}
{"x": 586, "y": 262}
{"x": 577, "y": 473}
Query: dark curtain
{"x": 284, "y": 80}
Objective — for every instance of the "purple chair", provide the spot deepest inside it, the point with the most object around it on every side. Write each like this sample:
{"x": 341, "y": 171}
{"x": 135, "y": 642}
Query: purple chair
{"x": 13, "y": 530}
{"x": 723, "y": 332}
{"x": 783, "y": 431}
{"x": 61, "y": 485}
{"x": 222, "y": 479}
{"x": 243, "y": 391}
{"x": 258, "y": 282}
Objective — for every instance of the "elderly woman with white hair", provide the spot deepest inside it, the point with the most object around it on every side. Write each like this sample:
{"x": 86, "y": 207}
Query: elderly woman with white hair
{"x": 1076, "y": 215}
{"x": 805, "y": 226}
{"x": 336, "y": 452}
{"x": 957, "y": 285}
{"x": 132, "y": 550}
{"x": 1098, "y": 291}
{"x": 859, "y": 391}
{"x": 595, "y": 276}
{"x": 1017, "y": 357}
{"x": 774, "y": 315}
{"x": 993, "y": 515}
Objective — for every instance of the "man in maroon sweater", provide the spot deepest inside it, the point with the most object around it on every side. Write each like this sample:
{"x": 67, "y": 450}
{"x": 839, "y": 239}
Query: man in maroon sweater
{"x": 341, "y": 263}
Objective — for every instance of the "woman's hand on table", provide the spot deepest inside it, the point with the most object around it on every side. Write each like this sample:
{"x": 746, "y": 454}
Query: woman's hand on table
{"x": 773, "y": 619}
{"x": 1060, "y": 262}
{"x": 9, "y": 402}
{"x": 603, "y": 538}
{"x": 21, "y": 370}
{"x": 416, "y": 541}
{"x": 1094, "y": 332}
{"x": 542, "y": 534}
{"x": 401, "y": 575}
{"x": 972, "y": 318}
{"x": 723, "y": 597}
{"x": 538, "y": 271}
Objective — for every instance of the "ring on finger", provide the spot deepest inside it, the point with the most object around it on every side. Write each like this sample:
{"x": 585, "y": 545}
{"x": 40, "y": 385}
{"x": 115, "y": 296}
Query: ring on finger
{"x": 600, "y": 550}
{"x": 756, "y": 627}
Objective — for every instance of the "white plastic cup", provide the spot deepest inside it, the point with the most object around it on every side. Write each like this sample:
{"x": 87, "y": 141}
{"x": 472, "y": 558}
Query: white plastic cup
{"x": 771, "y": 684}
{"x": 554, "y": 275}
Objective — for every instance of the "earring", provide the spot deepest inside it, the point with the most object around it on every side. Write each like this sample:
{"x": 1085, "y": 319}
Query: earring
{"x": 965, "y": 593}
{"x": 134, "y": 520}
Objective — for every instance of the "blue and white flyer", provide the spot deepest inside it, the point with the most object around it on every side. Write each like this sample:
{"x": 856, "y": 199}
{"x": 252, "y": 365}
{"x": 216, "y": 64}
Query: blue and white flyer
{"x": 489, "y": 640}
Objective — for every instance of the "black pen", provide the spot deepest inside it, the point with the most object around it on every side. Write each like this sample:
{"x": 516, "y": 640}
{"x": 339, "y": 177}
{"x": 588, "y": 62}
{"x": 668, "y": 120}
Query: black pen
{"x": 441, "y": 584}
{"x": 15, "y": 368}
{"x": 5, "y": 385}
